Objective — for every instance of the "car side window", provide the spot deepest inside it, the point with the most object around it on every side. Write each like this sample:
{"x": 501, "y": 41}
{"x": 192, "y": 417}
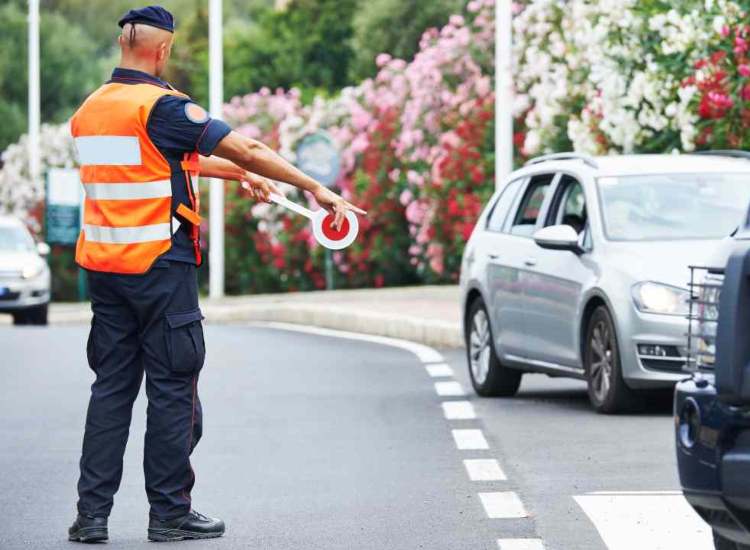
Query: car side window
{"x": 503, "y": 203}
{"x": 526, "y": 216}
{"x": 570, "y": 206}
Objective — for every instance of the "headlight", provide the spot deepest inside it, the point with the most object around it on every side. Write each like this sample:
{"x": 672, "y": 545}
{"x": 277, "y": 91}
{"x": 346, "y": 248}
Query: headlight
{"x": 658, "y": 298}
{"x": 32, "y": 270}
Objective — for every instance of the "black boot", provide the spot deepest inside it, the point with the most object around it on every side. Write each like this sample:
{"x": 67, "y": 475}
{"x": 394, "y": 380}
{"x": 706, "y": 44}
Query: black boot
{"x": 88, "y": 529}
{"x": 190, "y": 526}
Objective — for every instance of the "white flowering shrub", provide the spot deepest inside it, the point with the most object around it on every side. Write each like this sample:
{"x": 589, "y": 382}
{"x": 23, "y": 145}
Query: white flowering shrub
{"x": 609, "y": 75}
{"x": 22, "y": 196}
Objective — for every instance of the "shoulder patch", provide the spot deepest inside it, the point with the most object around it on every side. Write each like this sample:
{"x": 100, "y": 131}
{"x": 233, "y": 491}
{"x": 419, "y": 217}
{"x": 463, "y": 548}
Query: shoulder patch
{"x": 195, "y": 113}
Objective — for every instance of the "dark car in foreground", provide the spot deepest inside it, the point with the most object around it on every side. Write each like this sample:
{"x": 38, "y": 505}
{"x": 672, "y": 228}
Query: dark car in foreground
{"x": 712, "y": 408}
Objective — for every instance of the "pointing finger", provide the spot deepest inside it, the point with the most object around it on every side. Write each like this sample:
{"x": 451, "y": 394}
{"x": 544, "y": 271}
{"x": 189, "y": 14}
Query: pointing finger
{"x": 355, "y": 209}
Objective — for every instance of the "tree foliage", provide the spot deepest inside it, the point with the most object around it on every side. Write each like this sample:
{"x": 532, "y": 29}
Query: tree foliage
{"x": 68, "y": 69}
{"x": 306, "y": 44}
{"x": 394, "y": 27}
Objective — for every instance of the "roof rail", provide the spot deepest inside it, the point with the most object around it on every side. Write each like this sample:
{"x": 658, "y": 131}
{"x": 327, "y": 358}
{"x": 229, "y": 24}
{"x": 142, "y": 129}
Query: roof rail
{"x": 587, "y": 159}
{"x": 734, "y": 153}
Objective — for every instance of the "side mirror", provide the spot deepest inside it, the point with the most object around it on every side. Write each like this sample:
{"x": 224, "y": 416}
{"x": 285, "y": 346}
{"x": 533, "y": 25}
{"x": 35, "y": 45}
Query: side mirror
{"x": 43, "y": 249}
{"x": 558, "y": 237}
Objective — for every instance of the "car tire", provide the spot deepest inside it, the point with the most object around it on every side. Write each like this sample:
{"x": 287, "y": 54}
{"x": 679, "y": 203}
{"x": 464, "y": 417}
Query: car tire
{"x": 608, "y": 392}
{"x": 722, "y": 543}
{"x": 20, "y": 317}
{"x": 32, "y": 316}
{"x": 489, "y": 377}
{"x": 38, "y": 315}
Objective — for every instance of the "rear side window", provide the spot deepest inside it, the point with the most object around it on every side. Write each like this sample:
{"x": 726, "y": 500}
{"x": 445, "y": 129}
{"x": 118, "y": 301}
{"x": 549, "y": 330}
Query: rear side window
{"x": 499, "y": 212}
{"x": 525, "y": 219}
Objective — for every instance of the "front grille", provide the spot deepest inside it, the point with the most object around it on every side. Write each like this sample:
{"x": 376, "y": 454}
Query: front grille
{"x": 664, "y": 365}
{"x": 9, "y": 296}
{"x": 705, "y": 291}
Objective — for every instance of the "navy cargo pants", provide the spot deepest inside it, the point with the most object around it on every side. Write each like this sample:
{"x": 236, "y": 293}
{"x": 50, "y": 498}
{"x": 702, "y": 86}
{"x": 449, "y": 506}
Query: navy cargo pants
{"x": 150, "y": 323}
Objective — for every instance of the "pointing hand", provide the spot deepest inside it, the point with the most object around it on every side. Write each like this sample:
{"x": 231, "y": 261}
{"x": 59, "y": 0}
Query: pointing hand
{"x": 335, "y": 204}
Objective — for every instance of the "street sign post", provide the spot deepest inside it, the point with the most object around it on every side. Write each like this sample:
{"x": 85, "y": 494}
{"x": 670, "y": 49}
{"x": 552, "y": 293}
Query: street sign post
{"x": 63, "y": 206}
{"x": 318, "y": 157}
{"x": 504, "y": 87}
{"x": 34, "y": 92}
{"x": 63, "y": 212}
{"x": 216, "y": 185}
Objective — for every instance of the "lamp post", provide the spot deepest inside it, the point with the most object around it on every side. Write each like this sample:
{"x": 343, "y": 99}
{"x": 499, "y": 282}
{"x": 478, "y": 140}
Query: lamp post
{"x": 216, "y": 195}
{"x": 503, "y": 91}
{"x": 34, "y": 101}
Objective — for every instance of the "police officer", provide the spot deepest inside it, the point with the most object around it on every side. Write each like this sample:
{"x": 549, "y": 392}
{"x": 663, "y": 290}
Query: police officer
{"x": 141, "y": 145}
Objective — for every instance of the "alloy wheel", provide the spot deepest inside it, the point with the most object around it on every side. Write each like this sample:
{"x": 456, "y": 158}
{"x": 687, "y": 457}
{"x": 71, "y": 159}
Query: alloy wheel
{"x": 479, "y": 347}
{"x": 601, "y": 359}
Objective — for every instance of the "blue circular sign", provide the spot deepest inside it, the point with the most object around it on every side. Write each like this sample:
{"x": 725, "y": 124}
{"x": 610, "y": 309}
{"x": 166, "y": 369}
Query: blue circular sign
{"x": 318, "y": 157}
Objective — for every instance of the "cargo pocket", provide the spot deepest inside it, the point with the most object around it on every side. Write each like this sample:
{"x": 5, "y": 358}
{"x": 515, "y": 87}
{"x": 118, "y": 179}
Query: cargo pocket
{"x": 91, "y": 346}
{"x": 184, "y": 338}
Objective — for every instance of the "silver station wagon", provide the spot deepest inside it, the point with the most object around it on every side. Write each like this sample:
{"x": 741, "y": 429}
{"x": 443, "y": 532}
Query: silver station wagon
{"x": 578, "y": 267}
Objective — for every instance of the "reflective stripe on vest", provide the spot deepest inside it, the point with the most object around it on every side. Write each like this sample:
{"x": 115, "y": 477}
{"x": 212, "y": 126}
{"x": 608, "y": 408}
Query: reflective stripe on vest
{"x": 127, "y": 220}
{"x": 109, "y": 150}
{"x": 127, "y": 235}
{"x": 128, "y": 191}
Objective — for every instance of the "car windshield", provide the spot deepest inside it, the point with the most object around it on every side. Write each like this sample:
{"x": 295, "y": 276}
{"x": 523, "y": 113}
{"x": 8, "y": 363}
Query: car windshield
{"x": 673, "y": 206}
{"x": 15, "y": 239}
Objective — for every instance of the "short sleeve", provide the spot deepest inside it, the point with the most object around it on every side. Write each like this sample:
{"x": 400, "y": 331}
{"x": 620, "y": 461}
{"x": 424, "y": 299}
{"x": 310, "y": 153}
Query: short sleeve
{"x": 179, "y": 125}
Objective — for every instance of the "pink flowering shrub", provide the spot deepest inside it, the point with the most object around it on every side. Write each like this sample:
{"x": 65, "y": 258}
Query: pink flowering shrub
{"x": 722, "y": 96}
{"x": 266, "y": 249}
{"x": 417, "y": 149}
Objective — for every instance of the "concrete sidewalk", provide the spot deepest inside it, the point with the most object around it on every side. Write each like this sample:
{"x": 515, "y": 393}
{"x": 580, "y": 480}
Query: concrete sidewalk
{"x": 426, "y": 314}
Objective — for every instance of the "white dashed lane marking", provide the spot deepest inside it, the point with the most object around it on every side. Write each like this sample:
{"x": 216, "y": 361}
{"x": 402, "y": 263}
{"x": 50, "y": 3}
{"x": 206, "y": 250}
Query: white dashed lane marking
{"x": 440, "y": 370}
{"x": 449, "y": 389}
{"x": 503, "y": 505}
{"x": 458, "y": 410}
{"x": 484, "y": 469}
{"x": 470, "y": 440}
{"x": 646, "y": 521}
{"x": 520, "y": 544}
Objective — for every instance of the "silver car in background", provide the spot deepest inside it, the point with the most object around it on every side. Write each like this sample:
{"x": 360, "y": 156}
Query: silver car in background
{"x": 24, "y": 275}
{"x": 578, "y": 267}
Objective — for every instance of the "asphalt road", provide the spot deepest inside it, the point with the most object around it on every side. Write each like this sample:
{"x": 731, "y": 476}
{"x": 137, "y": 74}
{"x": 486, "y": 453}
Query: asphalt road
{"x": 317, "y": 442}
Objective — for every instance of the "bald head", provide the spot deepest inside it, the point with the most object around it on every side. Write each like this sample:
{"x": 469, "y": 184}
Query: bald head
{"x": 145, "y": 48}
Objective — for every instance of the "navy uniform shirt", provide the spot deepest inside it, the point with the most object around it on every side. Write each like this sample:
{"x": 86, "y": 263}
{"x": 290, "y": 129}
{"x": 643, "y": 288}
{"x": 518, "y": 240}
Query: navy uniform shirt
{"x": 175, "y": 130}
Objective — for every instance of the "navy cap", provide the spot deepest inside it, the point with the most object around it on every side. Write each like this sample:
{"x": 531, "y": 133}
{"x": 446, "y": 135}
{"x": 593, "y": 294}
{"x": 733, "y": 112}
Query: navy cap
{"x": 154, "y": 16}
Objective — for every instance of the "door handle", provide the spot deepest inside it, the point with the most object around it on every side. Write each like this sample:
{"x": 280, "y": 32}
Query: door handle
{"x": 493, "y": 256}
{"x": 530, "y": 262}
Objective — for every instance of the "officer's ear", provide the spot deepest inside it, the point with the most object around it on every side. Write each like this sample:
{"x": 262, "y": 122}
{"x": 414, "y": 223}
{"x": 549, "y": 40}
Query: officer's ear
{"x": 161, "y": 51}
{"x": 165, "y": 49}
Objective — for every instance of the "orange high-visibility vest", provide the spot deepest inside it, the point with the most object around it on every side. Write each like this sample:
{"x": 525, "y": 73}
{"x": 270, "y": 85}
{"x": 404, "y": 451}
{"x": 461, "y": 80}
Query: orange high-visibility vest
{"x": 127, "y": 218}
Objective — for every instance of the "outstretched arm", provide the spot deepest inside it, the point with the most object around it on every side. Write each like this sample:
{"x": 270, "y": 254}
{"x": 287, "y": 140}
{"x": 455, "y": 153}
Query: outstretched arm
{"x": 256, "y": 157}
{"x": 214, "y": 167}
{"x": 259, "y": 187}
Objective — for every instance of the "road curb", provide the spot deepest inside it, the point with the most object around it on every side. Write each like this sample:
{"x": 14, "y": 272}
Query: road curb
{"x": 433, "y": 332}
